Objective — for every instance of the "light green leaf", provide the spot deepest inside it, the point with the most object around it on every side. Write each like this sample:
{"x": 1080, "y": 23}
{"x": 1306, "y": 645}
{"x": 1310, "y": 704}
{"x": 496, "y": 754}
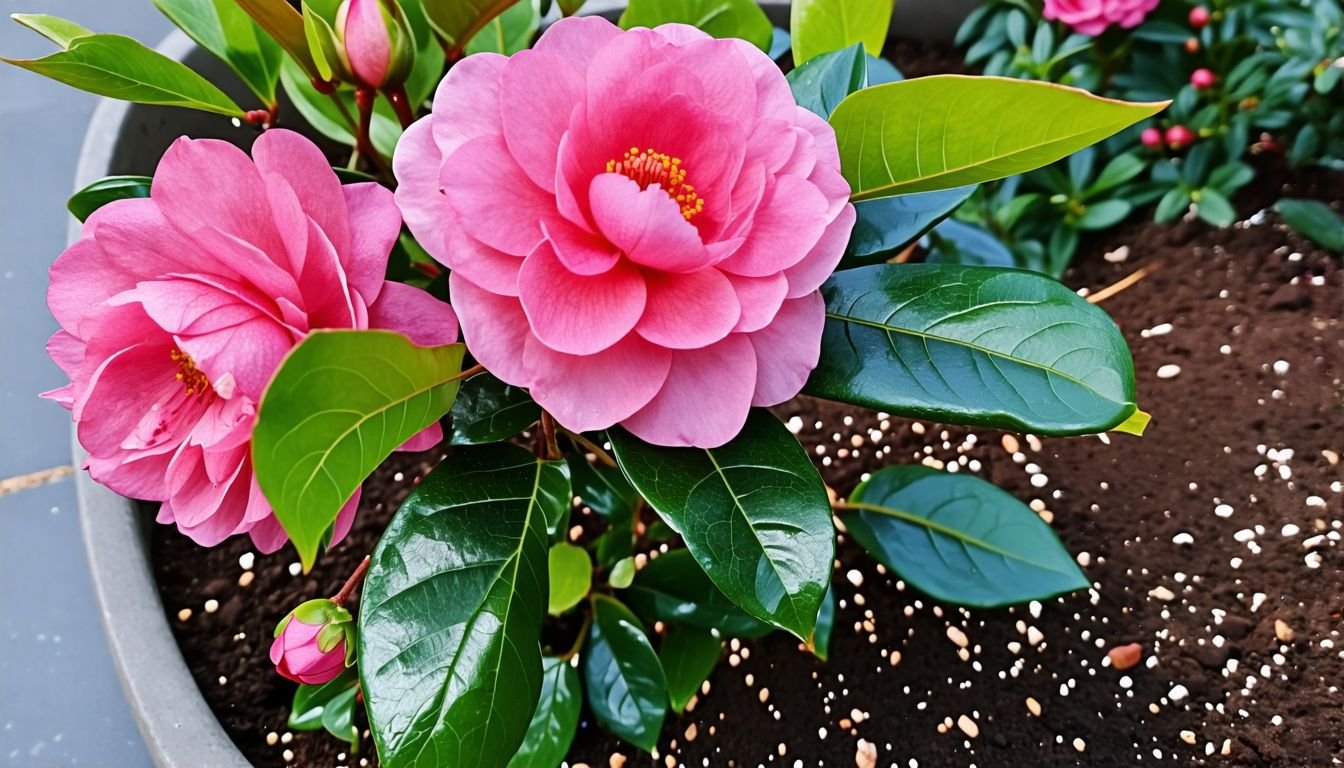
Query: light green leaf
{"x": 450, "y": 616}
{"x": 753, "y": 513}
{"x": 1214, "y": 208}
{"x": 571, "y": 577}
{"x": 959, "y": 538}
{"x": 688, "y": 655}
{"x": 718, "y": 18}
{"x": 321, "y": 112}
{"x": 948, "y": 131}
{"x": 224, "y": 28}
{"x": 284, "y": 25}
{"x": 103, "y": 191}
{"x": 973, "y": 345}
{"x": 121, "y": 68}
{"x": 627, "y": 691}
{"x": 821, "y": 26}
{"x": 57, "y": 30}
{"x": 1315, "y": 221}
{"x": 340, "y": 403}
{"x": 556, "y": 719}
{"x": 622, "y": 573}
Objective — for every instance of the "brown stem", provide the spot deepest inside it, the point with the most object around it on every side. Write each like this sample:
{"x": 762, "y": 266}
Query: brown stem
{"x": 597, "y": 450}
{"x": 467, "y": 374}
{"x": 352, "y": 583}
{"x": 550, "y": 448}
{"x": 583, "y": 633}
{"x": 401, "y": 104}
{"x": 364, "y": 98}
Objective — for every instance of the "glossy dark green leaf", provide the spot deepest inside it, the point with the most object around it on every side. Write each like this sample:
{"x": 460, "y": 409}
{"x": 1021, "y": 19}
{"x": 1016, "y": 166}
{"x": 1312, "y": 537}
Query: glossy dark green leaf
{"x": 555, "y": 720}
{"x": 822, "y": 83}
{"x": 821, "y": 637}
{"x": 305, "y": 714}
{"x": 718, "y": 18}
{"x": 819, "y": 26}
{"x": 957, "y": 242}
{"x": 886, "y": 226}
{"x": 340, "y": 403}
{"x": 674, "y": 588}
{"x": 959, "y": 538}
{"x": 223, "y": 28}
{"x": 946, "y": 131}
{"x": 973, "y": 345}
{"x": 571, "y": 574}
{"x": 622, "y": 676}
{"x": 487, "y": 411}
{"x": 557, "y": 498}
{"x": 603, "y": 488}
{"x": 688, "y": 655}
{"x": 1315, "y": 221}
{"x": 103, "y": 191}
{"x": 118, "y": 67}
{"x": 54, "y": 28}
{"x": 450, "y": 616}
{"x": 753, "y": 513}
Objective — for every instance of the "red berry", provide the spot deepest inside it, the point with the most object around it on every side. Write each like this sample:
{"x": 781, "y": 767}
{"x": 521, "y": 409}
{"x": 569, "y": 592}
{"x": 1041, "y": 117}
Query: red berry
{"x": 1203, "y": 78}
{"x": 1151, "y": 138}
{"x": 1191, "y": 45}
{"x": 1179, "y": 137}
{"x": 1199, "y": 17}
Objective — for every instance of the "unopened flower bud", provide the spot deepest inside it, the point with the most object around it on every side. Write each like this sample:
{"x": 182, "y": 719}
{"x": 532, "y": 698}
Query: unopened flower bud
{"x": 1179, "y": 137}
{"x": 1192, "y": 45}
{"x": 1151, "y": 138}
{"x": 378, "y": 42}
{"x": 1203, "y": 78}
{"x": 312, "y": 643}
{"x": 1199, "y": 17}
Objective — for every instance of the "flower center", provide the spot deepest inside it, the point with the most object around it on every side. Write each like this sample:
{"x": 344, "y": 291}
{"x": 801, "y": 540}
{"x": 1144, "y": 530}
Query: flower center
{"x": 192, "y": 378}
{"x": 649, "y": 167}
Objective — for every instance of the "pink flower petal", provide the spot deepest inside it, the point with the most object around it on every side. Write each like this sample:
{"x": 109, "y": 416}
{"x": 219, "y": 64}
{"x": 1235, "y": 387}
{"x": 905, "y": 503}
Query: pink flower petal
{"x": 690, "y": 310}
{"x": 367, "y": 42}
{"x": 470, "y": 94}
{"x": 375, "y": 225}
{"x": 577, "y": 38}
{"x": 496, "y": 202}
{"x": 807, "y": 275}
{"x": 646, "y": 224}
{"x": 788, "y": 349}
{"x": 597, "y": 391}
{"x": 551, "y": 88}
{"x": 414, "y": 313}
{"x": 788, "y": 223}
{"x": 233, "y": 200}
{"x": 495, "y": 329}
{"x": 706, "y": 399}
{"x": 760, "y": 298}
{"x": 578, "y": 314}
{"x": 581, "y": 252}
{"x": 301, "y": 164}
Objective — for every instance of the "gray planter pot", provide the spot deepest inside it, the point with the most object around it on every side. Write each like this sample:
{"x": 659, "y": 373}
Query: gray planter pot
{"x": 178, "y": 726}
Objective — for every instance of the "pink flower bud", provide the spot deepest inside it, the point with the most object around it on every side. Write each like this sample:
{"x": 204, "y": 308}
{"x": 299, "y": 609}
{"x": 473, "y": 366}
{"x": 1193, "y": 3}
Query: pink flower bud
{"x": 311, "y": 642}
{"x": 1151, "y": 138}
{"x": 379, "y": 45}
{"x": 1203, "y": 78}
{"x": 1199, "y": 17}
{"x": 1179, "y": 137}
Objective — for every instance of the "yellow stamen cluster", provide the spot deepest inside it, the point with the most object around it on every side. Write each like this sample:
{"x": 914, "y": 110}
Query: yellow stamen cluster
{"x": 649, "y": 167}
{"x": 191, "y": 377}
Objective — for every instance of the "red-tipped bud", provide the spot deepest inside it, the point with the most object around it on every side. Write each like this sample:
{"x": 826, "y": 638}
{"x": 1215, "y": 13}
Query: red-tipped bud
{"x": 1151, "y": 138}
{"x": 1199, "y": 17}
{"x": 1203, "y": 78}
{"x": 1180, "y": 137}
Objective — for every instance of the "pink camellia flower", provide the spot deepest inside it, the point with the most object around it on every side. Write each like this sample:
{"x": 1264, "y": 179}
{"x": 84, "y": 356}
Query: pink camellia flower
{"x": 176, "y": 309}
{"x": 311, "y": 642}
{"x": 637, "y": 223}
{"x": 1091, "y": 17}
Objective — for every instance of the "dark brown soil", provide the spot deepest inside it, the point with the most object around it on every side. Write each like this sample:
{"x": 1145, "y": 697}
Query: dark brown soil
{"x": 1200, "y": 592}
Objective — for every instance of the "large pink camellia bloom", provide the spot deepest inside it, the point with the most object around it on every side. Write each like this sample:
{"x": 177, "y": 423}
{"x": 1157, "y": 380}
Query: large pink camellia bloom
{"x": 1092, "y": 17}
{"x": 176, "y": 309}
{"x": 637, "y": 224}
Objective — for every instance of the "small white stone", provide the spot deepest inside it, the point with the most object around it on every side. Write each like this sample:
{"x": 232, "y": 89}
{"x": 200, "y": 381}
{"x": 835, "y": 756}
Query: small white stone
{"x": 1244, "y": 535}
{"x": 1169, "y": 371}
{"x": 1034, "y": 636}
{"x": 1290, "y": 530}
{"x": 855, "y": 577}
{"x": 1223, "y": 510}
{"x": 1161, "y": 329}
{"x": 246, "y": 561}
{"x": 1177, "y": 693}
{"x": 1313, "y": 560}
{"x": 1182, "y": 538}
{"x": 1281, "y": 367}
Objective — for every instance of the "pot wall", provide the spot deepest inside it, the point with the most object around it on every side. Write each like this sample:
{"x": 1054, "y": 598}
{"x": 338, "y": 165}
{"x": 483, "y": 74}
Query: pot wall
{"x": 178, "y": 726}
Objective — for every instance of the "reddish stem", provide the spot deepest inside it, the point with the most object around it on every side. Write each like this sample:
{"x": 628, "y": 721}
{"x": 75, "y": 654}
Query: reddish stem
{"x": 401, "y": 104}
{"x": 352, "y": 583}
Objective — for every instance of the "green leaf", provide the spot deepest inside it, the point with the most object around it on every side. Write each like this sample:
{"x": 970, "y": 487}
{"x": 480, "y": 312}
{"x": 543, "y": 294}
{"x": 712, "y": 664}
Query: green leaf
{"x": 959, "y": 538}
{"x": 54, "y": 28}
{"x": 487, "y": 410}
{"x": 305, "y": 714}
{"x": 557, "y": 498}
{"x": 571, "y": 577}
{"x": 118, "y": 67}
{"x": 627, "y": 691}
{"x": 1315, "y": 221}
{"x": 688, "y": 655}
{"x": 224, "y": 28}
{"x": 1104, "y": 214}
{"x": 717, "y": 18}
{"x": 604, "y": 489}
{"x": 753, "y": 513}
{"x": 973, "y": 345}
{"x": 1214, "y": 208}
{"x": 339, "y": 404}
{"x": 285, "y": 26}
{"x": 458, "y": 21}
{"x": 957, "y": 242}
{"x": 948, "y": 131}
{"x": 622, "y": 573}
{"x": 821, "y": 637}
{"x": 820, "y": 26}
{"x": 321, "y": 111}
{"x": 338, "y": 716}
{"x": 886, "y": 226}
{"x": 556, "y": 719}
{"x": 822, "y": 83}
{"x": 1173, "y": 204}
{"x": 105, "y": 190}
{"x": 450, "y": 616}
{"x": 674, "y": 588}
{"x": 509, "y": 32}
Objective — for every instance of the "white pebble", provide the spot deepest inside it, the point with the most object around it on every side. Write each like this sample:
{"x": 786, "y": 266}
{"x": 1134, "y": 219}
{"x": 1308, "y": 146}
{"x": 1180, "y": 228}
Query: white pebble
{"x": 1178, "y": 692}
{"x": 1290, "y": 530}
{"x": 1169, "y": 371}
{"x": 1281, "y": 367}
{"x": 246, "y": 561}
{"x": 1182, "y": 538}
{"x": 1223, "y": 510}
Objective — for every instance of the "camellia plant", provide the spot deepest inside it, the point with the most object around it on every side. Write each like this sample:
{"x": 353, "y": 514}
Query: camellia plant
{"x": 650, "y": 235}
